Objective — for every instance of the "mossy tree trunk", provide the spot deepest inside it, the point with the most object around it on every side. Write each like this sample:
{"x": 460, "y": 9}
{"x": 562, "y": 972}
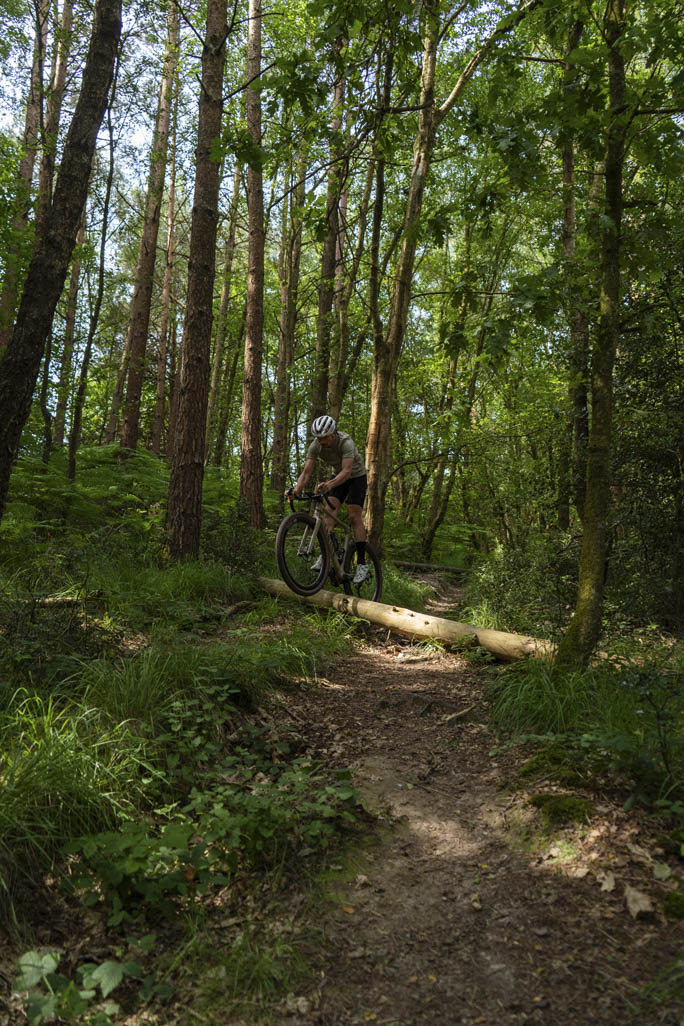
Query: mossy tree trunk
{"x": 585, "y": 627}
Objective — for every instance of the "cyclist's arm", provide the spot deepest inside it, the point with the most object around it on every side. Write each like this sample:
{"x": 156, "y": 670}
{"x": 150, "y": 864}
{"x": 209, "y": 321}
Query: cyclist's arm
{"x": 305, "y": 475}
{"x": 343, "y": 475}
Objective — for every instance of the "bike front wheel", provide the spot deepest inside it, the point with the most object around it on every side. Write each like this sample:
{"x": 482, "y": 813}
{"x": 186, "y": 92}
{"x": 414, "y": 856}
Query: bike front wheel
{"x": 302, "y": 554}
{"x": 371, "y": 587}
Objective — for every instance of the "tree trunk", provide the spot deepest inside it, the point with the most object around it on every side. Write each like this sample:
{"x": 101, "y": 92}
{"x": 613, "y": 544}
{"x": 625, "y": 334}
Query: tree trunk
{"x": 582, "y": 635}
{"x": 291, "y": 250}
{"x": 166, "y": 299}
{"x": 326, "y": 289}
{"x": 49, "y": 264}
{"x": 251, "y": 465}
{"x": 220, "y": 333}
{"x": 79, "y": 398}
{"x": 575, "y": 312}
{"x": 388, "y": 348}
{"x": 342, "y": 362}
{"x": 52, "y": 115}
{"x": 184, "y": 507}
{"x": 64, "y": 383}
{"x": 139, "y": 318}
{"x": 34, "y": 106}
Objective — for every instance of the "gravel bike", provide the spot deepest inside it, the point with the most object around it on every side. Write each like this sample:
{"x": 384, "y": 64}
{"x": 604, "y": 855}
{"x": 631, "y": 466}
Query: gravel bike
{"x": 307, "y": 556}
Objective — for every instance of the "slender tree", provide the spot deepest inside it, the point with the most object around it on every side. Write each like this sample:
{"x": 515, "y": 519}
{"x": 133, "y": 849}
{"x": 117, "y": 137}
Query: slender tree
{"x": 139, "y": 317}
{"x": 184, "y": 506}
{"x": 20, "y": 363}
{"x": 251, "y": 464}
{"x": 580, "y": 639}
{"x": 30, "y": 143}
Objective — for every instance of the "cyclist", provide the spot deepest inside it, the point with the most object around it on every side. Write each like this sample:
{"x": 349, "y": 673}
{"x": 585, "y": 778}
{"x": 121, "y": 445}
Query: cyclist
{"x": 348, "y": 482}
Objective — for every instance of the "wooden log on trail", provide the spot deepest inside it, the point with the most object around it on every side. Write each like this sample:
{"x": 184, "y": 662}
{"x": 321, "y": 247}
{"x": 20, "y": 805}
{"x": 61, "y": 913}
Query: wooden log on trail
{"x": 421, "y": 625}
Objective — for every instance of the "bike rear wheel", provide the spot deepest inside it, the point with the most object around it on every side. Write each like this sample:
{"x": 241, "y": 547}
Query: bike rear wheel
{"x": 299, "y": 547}
{"x": 371, "y": 588}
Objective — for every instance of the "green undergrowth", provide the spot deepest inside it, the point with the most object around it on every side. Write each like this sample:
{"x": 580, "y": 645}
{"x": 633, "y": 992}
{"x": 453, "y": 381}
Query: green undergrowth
{"x": 619, "y": 722}
{"x": 143, "y": 772}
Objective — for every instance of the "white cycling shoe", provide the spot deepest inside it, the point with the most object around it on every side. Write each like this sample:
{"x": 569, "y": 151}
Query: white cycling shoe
{"x": 362, "y": 571}
{"x": 318, "y": 565}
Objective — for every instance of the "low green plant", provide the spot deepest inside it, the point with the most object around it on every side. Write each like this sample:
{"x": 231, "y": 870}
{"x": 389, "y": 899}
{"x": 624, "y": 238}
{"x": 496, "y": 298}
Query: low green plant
{"x": 53, "y": 996}
{"x": 61, "y": 774}
{"x": 256, "y": 818}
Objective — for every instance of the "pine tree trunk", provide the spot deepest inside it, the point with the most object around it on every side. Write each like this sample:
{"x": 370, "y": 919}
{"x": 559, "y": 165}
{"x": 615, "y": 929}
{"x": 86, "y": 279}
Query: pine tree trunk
{"x": 291, "y": 249}
{"x": 184, "y": 507}
{"x": 32, "y": 120}
{"x": 139, "y": 318}
{"x": 220, "y": 333}
{"x": 251, "y": 463}
{"x": 49, "y": 264}
{"x": 64, "y": 383}
{"x": 79, "y": 398}
{"x": 166, "y": 297}
{"x": 53, "y": 114}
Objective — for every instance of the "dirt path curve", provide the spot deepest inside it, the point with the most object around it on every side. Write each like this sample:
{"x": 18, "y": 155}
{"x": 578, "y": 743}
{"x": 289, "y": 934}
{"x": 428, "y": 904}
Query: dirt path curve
{"x": 451, "y": 919}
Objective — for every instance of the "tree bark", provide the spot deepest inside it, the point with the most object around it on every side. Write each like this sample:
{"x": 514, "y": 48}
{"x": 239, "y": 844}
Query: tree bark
{"x": 53, "y": 113}
{"x": 139, "y": 318}
{"x": 387, "y": 348}
{"x": 49, "y": 264}
{"x": 184, "y": 507}
{"x": 64, "y": 383}
{"x": 220, "y": 332}
{"x": 291, "y": 249}
{"x": 34, "y": 106}
{"x": 167, "y": 300}
{"x": 79, "y": 398}
{"x": 583, "y": 632}
{"x": 251, "y": 464}
{"x": 326, "y": 289}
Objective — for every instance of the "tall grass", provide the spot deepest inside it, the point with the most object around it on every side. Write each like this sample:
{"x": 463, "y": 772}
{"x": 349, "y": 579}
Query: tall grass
{"x": 61, "y": 775}
{"x": 633, "y": 712}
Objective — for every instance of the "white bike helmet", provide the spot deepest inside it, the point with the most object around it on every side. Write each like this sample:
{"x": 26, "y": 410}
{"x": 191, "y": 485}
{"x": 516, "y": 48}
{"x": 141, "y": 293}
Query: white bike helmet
{"x": 323, "y": 426}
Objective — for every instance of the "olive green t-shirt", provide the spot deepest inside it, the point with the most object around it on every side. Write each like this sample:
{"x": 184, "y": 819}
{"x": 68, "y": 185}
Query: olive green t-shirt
{"x": 343, "y": 449}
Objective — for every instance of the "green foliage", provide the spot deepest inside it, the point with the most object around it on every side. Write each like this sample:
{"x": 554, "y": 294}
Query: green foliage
{"x": 61, "y": 774}
{"x": 261, "y": 817}
{"x": 53, "y": 996}
{"x": 400, "y": 590}
{"x": 528, "y": 590}
{"x": 627, "y": 718}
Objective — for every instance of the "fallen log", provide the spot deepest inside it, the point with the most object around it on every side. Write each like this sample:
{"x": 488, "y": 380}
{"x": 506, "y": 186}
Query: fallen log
{"x": 421, "y": 625}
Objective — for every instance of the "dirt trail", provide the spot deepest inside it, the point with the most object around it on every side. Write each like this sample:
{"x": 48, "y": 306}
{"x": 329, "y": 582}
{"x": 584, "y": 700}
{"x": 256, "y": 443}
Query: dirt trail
{"x": 452, "y": 919}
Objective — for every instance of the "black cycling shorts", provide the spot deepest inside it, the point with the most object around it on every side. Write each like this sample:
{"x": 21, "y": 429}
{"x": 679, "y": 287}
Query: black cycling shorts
{"x": 353, "y": 490}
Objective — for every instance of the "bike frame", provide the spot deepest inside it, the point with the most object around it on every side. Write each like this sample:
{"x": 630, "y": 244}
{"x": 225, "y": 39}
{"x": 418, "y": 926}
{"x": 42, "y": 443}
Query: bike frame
{"x": 319, "y": 514}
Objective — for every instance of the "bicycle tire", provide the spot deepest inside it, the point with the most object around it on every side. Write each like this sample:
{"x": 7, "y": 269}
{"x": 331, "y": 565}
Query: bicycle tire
{"x": 295, "y": 555}
{"x": 371, "y": 588}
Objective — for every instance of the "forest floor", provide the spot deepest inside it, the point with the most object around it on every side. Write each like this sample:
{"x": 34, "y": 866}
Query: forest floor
{"x": 451, "y": 904}
{"x": 466, "y": 911}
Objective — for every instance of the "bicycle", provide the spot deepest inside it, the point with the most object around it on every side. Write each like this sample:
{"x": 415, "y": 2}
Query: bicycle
{"x": 303, "y": 539}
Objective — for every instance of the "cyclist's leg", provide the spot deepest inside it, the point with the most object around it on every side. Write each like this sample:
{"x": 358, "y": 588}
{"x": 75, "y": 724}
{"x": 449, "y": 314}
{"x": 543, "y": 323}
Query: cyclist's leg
{"x": 355, "y": 500}
{"x": 334, "y": 507}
